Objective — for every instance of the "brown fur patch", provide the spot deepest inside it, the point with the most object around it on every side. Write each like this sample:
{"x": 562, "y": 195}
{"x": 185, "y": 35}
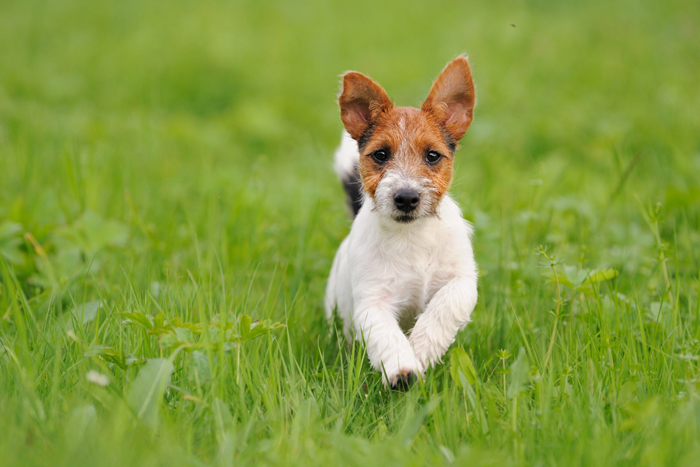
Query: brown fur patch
{"x": 361, "y": 102}
{"x": 452, "y": 97}
{"x": 407, "y": 134}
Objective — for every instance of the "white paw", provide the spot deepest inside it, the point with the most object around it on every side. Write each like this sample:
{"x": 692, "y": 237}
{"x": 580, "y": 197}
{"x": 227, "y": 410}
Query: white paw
{"x": 402, "y": 374}
{"x": 430, "y": 348}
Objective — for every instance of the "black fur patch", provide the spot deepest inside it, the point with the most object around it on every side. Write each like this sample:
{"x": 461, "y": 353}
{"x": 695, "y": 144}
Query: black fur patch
{"x": 447, "y": 137}
{"x": 353, "y": 189}
{"x": 364, "y": 139}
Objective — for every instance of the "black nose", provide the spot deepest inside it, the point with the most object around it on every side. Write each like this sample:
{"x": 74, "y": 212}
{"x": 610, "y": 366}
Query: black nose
{"x": 406, "y": 200}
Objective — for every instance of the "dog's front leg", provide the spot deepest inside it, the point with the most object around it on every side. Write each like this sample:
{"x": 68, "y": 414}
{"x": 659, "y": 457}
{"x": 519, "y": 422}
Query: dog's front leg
{"x": 387, "y": 346}
{"x": 447, "y": 313}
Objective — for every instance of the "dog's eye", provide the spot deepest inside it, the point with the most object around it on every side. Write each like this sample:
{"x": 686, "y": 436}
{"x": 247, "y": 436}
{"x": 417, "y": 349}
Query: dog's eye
{"x": 380, "y": 156}
{"x": 432, "y": 157}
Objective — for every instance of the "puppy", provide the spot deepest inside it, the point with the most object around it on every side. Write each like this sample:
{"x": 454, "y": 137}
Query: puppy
{"x": 405, "y": 277}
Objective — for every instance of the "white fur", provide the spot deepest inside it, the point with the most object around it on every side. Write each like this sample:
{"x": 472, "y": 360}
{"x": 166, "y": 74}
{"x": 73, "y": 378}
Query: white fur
{"x": 346, "y": 156}
{"x": 406, "y": 288}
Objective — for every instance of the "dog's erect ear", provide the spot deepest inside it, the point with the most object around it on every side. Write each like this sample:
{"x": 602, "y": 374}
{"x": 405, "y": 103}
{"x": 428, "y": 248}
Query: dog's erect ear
{"x": 361, "y": 101}
{"x": 452, "y": 97}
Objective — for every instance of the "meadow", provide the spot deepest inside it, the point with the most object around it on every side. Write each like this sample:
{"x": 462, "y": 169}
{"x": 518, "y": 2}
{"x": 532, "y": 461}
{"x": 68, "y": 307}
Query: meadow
{"x": 169, "y": 214}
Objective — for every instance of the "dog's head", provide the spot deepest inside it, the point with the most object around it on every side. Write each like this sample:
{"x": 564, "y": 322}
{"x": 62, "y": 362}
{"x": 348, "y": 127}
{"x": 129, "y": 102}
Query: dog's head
{"x": 406, "y": 154}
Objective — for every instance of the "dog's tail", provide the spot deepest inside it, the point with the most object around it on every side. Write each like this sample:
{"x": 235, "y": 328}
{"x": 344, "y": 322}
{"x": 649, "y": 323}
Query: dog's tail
{"x": 347, "y": 158}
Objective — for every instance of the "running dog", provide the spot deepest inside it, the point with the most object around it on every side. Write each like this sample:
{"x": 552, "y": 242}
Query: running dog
{"x": 404, "y": 279}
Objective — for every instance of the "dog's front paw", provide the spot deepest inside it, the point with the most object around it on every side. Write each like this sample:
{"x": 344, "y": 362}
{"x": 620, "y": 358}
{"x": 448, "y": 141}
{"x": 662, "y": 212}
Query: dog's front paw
{"x": 429, "y": 349}
{"x": 403, "y": 377}
{"x": 404, "y": 380}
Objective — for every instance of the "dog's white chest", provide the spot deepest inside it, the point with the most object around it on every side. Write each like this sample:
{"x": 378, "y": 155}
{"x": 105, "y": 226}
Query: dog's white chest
{"x": 400, "y": 266}
{"x": 418, "y": 277}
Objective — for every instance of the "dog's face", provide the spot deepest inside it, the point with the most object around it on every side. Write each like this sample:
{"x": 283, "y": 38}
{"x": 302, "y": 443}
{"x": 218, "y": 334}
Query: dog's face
{"x": 406, "y": 154}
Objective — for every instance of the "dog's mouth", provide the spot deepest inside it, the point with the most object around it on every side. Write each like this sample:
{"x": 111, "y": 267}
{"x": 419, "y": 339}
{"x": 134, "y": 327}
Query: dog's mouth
{"x": 404, "y": 218}
{"x": 407, "y": 218}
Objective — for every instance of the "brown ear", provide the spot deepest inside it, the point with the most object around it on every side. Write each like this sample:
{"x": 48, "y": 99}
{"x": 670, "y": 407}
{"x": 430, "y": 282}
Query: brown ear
{"x": 361, "y": 101}
{"x": 452, "y": 97}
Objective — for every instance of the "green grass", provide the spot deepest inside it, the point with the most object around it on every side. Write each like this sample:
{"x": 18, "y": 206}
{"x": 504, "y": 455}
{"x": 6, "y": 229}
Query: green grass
{"x": 173, "y": 160}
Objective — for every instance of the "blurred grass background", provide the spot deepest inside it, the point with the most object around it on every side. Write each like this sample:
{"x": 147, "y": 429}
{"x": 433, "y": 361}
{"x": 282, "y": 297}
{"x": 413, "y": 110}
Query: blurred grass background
{"x": 176, "y": 157}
